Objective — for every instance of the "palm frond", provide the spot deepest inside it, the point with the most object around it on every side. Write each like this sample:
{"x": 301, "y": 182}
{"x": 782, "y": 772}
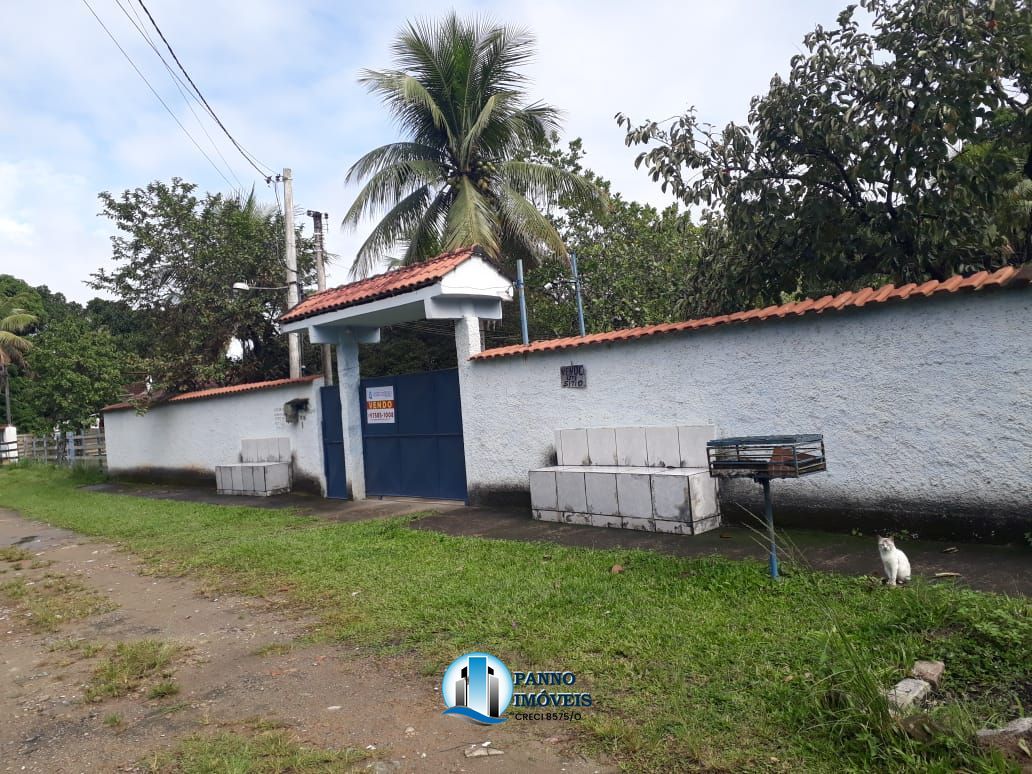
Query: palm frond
{"x": 387, "y": 155}
{"x": 388, "y": 186}
{"x": 544, "y": 182}
{"x": 394, "y": 227}
{"x": 524, "y": 224}
{"x": 16, "y": 320}
{"x": 471, "y": 221}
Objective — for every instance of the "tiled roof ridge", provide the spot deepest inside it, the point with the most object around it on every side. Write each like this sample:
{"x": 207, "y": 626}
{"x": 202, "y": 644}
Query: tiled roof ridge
{"x": 378, "y": 286}
{"x": 213, "y": 392}
{"x": 1008, "y": 275}
{"x": 409, "y": 268}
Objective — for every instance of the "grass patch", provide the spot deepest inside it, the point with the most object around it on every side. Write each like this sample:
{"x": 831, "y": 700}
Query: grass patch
{"x": 692, "y": 662}
{"x": 163, "y": 689}
{"x": 268, "y": 752}
{"x": 14, "y": 554}
{"x": 114, "y": 720}
{"x": 45, "y": 604}
{"x": 130, "y": 665}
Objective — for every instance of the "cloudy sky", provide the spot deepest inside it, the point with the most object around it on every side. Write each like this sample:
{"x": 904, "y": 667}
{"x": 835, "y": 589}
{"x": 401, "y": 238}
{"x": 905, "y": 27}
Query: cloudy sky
{"x": 75, "y": 119}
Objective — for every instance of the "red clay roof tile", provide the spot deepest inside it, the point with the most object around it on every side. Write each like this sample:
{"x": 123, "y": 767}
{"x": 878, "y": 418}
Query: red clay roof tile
{"x": 216, "y": 392}
{"x": 391, "y": 283}
{"x": 1008, "y": 275}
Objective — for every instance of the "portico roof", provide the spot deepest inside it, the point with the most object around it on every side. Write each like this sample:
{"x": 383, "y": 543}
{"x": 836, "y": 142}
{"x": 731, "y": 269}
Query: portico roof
{"x": 452, "y": 285}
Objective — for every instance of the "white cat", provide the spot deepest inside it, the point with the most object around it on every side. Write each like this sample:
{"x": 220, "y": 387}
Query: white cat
{"x": 895, "y": 562}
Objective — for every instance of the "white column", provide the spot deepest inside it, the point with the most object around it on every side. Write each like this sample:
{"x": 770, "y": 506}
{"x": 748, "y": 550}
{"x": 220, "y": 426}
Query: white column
{"x": 468, "y": 342}
{"x": 348, "y": 376}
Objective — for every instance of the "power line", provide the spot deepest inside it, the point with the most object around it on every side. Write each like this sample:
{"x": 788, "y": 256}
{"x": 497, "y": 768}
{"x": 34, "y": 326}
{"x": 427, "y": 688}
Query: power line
{"x": 188, "y": 98}
{"x": 155, "y": 93}
{"x": 243, "y": 152}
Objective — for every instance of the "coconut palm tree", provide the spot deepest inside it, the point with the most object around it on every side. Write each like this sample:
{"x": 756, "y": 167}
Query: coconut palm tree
{"x": 459, "y": 178}
{"x": 13, "y": 320}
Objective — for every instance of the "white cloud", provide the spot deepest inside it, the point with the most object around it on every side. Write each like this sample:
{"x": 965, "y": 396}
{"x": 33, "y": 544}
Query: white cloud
{"x": 75, "y": 119}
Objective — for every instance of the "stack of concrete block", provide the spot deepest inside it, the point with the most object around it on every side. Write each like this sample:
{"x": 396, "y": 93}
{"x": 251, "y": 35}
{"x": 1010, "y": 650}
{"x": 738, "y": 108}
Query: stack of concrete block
{"x": 264, "y": 469}
{"x": 646, "y": 478}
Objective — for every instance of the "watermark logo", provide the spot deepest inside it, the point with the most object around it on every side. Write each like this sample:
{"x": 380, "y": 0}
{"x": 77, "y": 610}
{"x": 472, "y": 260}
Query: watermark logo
{"x": 477, "y": 686}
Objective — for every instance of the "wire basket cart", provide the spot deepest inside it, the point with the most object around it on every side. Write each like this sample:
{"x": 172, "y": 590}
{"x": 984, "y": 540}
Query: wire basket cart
{"x": 765, "y": 457}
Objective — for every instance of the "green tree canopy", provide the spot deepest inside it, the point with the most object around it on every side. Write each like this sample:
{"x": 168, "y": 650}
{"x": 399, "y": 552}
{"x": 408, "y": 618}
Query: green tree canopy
{"x": 14, "y": 320}
{"x": 895, "y": 149}
{"x": 75, "y": 370}
{"x": 457, "y": 179}
{"x": 636, "y": 263}
{"x": 177, "y": 256}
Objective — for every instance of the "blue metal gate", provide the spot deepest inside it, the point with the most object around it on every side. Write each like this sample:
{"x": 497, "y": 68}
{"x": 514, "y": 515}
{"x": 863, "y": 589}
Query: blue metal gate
{"x": 412, "y": 435}
{"x": 333, "y": 443}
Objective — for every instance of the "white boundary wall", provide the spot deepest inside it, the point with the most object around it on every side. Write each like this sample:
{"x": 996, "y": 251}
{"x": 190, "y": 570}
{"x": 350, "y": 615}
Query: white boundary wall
{"x": 186, "y": 440}
{"x": 925, "y": 405}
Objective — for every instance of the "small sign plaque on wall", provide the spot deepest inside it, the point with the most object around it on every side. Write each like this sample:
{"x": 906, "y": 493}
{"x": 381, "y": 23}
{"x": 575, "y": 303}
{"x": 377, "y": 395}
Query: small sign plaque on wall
{"x": 380, "y": 405}
{"x": 573, "y": 376}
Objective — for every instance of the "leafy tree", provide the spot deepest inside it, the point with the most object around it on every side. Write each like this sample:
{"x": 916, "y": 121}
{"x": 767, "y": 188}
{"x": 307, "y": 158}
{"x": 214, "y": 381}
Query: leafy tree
{"x": 635, "y": 262}
{"x": 457, "y": 180}
{"x": 896, "y": 149}
{"x": 177, "y": 258}
{"x": 76, "y": 370}
{"x": 14, "y": 319}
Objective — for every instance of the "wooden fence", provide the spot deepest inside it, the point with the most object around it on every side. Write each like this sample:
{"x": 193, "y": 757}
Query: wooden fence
{"x": 85, "y": 448}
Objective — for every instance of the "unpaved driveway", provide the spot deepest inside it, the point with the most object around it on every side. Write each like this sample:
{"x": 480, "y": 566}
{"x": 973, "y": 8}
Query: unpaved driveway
{"x": 328, "y": 696}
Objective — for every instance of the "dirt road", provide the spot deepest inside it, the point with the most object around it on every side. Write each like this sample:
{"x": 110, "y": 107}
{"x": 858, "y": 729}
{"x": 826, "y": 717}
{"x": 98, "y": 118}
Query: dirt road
{"x": 238, "y": 669}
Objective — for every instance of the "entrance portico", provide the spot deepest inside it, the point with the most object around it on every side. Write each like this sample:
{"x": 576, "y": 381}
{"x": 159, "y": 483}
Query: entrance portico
{"x": 463, "y": 286}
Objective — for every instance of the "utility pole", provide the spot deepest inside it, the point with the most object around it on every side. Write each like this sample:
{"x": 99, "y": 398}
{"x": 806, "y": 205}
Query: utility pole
{"x": 293, "y": 339}
{"x": 320, "y": 278}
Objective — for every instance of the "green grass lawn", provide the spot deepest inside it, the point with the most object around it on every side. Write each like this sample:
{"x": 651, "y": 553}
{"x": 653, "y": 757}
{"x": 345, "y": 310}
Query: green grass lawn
{"x": 692, "y": 662}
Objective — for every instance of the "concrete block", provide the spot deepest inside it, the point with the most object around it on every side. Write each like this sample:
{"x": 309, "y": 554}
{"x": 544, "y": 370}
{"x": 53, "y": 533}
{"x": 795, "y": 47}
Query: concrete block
{"x": 575, "y": 447}
{"x": 673, "y": 527}
{"x": 631, "y": 448}
{"x": 219, "y": 470}
{"x": 662, "y": 448}
{"x": 247, "y": 478}
{"x": 634, "y": 495}
{"x": 930, "y": 671}
{"x": 705, "y": 525}
{"x": 268, "y": 450}
{"x": 602, "y": 445}
{"x": 277, "y": 477}
{"x": 570, "y": 490}
{"x": 597, "y": 520}
{"x": 643, "y": 525}
{"x": 907, "y": 692}
{"x": 249, "y": 449}
{"x": 577, "y": 518}
{"x": 237, "y": 475}
{"x": 559, "y": 448}
{"x": 260, "y": 484}
{"x": 704, "y": 496}
{"x": 542, "y": 490}
{"x": 692, "y": 441}
{"x": 600, "y": 489}
{"x": 547, "y": 515}
{"x": 671, "y": 497}
{"x": 284, "y": 450}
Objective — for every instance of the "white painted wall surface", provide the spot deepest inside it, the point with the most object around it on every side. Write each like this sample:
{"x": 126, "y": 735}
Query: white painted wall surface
{"x": 925, "y": 404}
{"x": 194, "y": 436}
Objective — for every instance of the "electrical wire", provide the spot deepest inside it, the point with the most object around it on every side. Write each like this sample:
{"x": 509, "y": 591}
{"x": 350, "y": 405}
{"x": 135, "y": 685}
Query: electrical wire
{"x": 155, "y": 92}
{"x": 248, "y": 156}
{"x": 180, "y": 86}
